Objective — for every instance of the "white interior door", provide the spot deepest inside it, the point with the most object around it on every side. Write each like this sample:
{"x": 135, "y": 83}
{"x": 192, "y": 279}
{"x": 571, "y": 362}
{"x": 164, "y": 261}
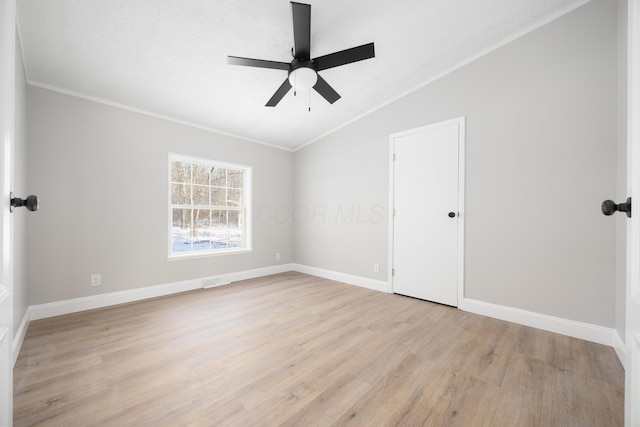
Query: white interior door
{"x": 7, "y": 110}
{"x": 426, "y": 217}
{"x": 632, "y": 363}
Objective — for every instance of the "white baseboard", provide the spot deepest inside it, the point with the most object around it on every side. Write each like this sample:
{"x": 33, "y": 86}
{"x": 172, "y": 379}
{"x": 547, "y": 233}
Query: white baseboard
{"x": 22, "y": 332}
{"x": 376, "y": 285}
{"x": 619, "y": 347}
{"x": 58, "y": 308}
{"x": 260, "y": 272}
{"x": 585, "y": 331}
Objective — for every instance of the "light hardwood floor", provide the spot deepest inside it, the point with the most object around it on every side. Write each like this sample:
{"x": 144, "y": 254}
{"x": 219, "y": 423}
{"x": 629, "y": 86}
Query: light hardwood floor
{"x": 296, "y": 350}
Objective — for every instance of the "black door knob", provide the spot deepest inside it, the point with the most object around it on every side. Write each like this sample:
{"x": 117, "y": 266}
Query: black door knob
{"x": 452, "y": 214}
{"x": 31, "y": 203}
{"x": 609, "y": 207}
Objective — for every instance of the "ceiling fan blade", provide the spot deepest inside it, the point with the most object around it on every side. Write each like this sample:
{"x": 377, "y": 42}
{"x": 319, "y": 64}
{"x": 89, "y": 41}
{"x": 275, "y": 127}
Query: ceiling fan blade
{"x": 301, "y": 30}
{"x": 343, "y": 57}
{"x": 327, "y": 92}
{"x": 260, "y": 63}
{"x": 280, "y": 93}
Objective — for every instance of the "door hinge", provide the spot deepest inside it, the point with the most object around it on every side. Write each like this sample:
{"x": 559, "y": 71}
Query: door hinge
{"x": 394, "y": 157}
{"x": 394, "y": 212}
{"x": 393, "y": 271}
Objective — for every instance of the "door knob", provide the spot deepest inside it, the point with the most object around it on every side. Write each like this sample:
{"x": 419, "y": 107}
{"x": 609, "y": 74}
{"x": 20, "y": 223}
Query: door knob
{"x": 31, "y": 203}
{"x": 609, "y": 207}
{"x": 452, "y": 214}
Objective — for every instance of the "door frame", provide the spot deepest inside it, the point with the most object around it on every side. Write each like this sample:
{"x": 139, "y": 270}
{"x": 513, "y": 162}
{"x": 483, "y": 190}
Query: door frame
{"x": 460, "y": 121}
{"x": 632, "y": 339}
{"x": 7, "y": 134}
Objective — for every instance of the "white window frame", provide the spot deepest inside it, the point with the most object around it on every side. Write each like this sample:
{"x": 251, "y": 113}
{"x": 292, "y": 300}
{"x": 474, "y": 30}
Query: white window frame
{"x": 246, "y": 211}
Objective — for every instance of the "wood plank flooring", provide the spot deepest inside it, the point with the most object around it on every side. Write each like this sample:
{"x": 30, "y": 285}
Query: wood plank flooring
{"x": 297, "y": 350}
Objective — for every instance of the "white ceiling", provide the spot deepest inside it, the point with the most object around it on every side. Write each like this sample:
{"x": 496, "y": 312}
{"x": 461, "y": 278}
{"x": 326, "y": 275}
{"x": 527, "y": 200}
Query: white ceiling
{"x": 168, "y": 57}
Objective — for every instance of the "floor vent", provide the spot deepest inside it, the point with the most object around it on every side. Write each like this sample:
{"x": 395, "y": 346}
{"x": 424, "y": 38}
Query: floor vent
{"x": 212, "y": 282}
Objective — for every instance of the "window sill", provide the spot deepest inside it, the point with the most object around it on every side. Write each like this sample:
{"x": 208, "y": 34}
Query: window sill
{"x": 192, "y": 255}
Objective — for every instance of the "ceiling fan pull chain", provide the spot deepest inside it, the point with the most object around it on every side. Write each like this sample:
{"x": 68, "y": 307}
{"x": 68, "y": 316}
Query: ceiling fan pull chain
{"x": 309, "y": 100}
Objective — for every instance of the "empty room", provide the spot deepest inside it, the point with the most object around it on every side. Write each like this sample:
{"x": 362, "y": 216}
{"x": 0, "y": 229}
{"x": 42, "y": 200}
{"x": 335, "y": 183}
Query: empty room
{"x": 251, "y": 213}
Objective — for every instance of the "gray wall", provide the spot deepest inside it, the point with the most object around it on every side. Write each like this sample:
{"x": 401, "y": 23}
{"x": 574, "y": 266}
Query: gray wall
{"x": 101, "y": 174}
{"x": 20, "y": 188}
{"x": 541, "y": 156}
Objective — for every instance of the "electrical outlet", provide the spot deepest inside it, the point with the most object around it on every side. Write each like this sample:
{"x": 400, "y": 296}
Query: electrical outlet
{"x": 376, "y": 267}
{"x": 277, "y": 256}
{"x": 96, "y": 280}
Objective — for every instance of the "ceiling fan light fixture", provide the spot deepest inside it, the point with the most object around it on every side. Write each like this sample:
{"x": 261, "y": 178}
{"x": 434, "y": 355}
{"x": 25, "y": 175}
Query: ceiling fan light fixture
{"x": 303, "y": 78}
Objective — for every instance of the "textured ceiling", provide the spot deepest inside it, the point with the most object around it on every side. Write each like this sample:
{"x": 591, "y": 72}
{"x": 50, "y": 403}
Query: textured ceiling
{"x": 168, "y": 57}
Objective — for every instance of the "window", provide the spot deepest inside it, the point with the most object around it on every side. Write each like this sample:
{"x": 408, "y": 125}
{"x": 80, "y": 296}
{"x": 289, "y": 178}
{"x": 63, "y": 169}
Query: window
{"x": 209, "y": 206}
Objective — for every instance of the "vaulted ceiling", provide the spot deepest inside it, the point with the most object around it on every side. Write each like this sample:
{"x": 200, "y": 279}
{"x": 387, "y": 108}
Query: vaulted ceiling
{"x": 169, "y": 57}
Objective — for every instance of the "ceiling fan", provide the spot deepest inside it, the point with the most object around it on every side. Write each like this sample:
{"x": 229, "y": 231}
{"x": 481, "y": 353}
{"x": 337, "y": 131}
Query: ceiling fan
{"x": 303, "y": 71}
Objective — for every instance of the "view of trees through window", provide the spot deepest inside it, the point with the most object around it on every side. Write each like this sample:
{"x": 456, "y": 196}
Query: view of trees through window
{"x": 207, "y": 206}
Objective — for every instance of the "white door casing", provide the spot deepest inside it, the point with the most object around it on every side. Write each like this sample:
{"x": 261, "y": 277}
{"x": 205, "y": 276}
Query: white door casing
{"x": 7, "y": 113}
{"x": 426, "y": 185}
{"x": 632, "y": 340}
